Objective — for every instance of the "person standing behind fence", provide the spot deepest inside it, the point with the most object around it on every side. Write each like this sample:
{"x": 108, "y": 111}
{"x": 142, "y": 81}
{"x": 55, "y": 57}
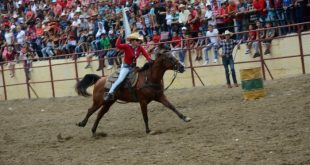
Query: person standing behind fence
{"x": 211, "y": 42}
{"x": 11, "y": 55}
{"x": 227, "y": 46}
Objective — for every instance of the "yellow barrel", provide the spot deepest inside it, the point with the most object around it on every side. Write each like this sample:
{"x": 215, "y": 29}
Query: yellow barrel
{"x": 252, "y": 83}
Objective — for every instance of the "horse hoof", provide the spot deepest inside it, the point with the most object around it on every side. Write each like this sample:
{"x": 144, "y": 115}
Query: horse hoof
{"x": 80, "y": 124}
{"x": 187, "y": 119}
{"x": 152, "y": 133}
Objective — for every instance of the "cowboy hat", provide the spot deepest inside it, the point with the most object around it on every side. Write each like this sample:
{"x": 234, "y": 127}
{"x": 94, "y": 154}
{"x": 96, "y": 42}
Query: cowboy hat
{"x": 181, "y": 6}
{"x": 227, "y": 32}
{"x": 135, "y": 36}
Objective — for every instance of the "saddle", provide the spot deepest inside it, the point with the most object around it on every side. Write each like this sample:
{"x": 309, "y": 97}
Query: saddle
{"x": 129, "y": 82}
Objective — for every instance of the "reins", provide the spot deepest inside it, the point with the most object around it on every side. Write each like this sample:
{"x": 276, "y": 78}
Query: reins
{"x": 174, "y": 77}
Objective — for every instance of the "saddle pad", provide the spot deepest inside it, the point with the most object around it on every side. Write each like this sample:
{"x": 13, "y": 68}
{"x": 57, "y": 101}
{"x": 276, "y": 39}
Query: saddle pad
{"x": 129, "y": 82}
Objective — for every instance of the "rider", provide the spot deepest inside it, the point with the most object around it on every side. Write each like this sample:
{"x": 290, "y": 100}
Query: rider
{"x": 132, "y": 52}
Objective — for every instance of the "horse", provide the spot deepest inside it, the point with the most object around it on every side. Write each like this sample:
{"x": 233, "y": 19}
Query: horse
{"x": 149, "y": 87}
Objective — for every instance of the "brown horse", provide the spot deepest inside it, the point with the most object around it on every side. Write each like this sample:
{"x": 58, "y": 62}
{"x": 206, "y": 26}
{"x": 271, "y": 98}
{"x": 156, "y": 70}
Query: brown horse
{"x": 149, "y": 87}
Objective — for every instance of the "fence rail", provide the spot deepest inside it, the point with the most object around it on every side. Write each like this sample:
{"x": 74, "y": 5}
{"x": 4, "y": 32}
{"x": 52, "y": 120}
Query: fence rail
{"x": 191, "y": 66}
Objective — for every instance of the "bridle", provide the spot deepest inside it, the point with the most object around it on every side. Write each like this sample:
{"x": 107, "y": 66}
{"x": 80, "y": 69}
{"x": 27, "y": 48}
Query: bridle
{"x": 175, "y": 70}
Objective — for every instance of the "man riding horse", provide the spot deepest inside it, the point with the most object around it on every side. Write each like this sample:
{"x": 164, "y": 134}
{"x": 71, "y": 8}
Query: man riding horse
{"x": 132, "y": 52}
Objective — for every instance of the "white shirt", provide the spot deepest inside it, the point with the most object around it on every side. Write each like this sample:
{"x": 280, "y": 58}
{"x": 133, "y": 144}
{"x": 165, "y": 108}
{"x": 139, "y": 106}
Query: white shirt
{"x": 183, "y": 17}
{"x": 21, "y": 37}
{"x": 8, "y": 37}
{"x": 169, "y": 19}
{"x": 213, "y": 35}
{"x": 208, "y": 15}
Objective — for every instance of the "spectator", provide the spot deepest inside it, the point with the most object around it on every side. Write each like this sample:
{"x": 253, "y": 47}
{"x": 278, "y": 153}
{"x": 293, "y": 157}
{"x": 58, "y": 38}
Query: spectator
{"x": 251, "y": 39}
{"x": 27, "y": 55}
{"x": 260, "y": 34}
{"x": 9, "y": 37}
{"x": 156, "y": 37}
{"x": 208, "y": 16}
{"x": 227, "y": 46}
{"x": 175, "y": 20}
{"x": 11, "y": 54}
{"x": 176, "y": 44}
{"x": 193, "y": 21}
{"x": 184, "y": 45}
{"x": 289, "y": 13}
{"x": 199, "y": 45}
{"x": 278, "y": 6}
{"x": 270, "y": 34}
{"x": 211, "y": 42}
{"x": 241, "y": 18}
{"x": 81, "y": 45}
{"x": 270, "y": 8}
{"x": 218, "y": 18}
{"x": 183, "y": 15}
{"x": 260, "y": 6}
{"x": 105, "y": 44}
{"x": 47, "y": 51}
{"x": 160, "y": 13}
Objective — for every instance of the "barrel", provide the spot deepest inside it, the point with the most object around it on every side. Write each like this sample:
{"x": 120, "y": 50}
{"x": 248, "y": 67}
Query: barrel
{"x": 252, "y": 83}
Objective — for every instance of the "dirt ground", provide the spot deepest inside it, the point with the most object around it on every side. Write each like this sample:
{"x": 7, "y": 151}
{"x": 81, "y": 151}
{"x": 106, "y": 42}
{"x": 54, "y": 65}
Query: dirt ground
{"x": 224, "y": 130}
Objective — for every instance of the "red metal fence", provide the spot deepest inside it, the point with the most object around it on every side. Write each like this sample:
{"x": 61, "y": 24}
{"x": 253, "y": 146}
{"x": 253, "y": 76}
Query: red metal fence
{"x": 192, "y": 67}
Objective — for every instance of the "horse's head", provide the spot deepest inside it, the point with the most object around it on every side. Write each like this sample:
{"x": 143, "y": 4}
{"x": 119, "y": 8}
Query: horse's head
{"x": 169, "y": 62}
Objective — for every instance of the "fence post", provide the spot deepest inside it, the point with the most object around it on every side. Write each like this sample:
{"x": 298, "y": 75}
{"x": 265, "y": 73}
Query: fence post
{"x": 301, "y": 51}
{"x": 27, "y": 80}
{"x": 76, "y": 70}
{"x": 52, "y": 77}
{"x": 190, "y": 62}
{"x": 261, "y": 54}
{"x": 3, "y": 81}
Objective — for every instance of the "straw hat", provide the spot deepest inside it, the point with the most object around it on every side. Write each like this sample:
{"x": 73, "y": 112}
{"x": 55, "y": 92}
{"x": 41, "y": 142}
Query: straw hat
{"x": 181, "y": 6}
{"x": 227, "y": 32}
{"x": 135, "y": 36}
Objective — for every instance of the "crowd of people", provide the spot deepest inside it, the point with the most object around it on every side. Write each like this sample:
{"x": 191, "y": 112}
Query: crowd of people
{"x": 35, "y": 29}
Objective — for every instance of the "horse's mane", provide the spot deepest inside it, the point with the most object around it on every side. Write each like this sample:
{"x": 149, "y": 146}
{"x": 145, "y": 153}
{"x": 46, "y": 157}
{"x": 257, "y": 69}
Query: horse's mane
{"x": 147, "y": 65}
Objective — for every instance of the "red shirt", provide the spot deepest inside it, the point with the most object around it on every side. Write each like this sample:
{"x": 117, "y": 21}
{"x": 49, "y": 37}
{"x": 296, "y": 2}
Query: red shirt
{"x": 194, "y": 25}
{"x": 223, "y": 12}
{"x": 176, "y": 41}
{"x": 156, "y": 38}
{"x": 252, "y": 35}
{"x": 131, "y": 54}
{"x": 260, "y": 6}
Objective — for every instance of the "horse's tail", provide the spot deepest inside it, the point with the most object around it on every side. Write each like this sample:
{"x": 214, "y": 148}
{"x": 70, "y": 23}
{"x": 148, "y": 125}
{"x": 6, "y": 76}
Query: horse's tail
{"x": 87, "y": 81}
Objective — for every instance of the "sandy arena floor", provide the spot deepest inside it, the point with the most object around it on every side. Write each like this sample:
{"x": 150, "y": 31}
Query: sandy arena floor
{"x": 224, "y": 129}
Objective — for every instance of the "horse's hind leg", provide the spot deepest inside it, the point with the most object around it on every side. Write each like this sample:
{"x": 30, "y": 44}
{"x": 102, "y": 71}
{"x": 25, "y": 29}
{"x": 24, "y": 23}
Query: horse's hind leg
{"x": 163, "y": 99}
{"x": 91, "y": 110}
{"x": 105, "y": 108}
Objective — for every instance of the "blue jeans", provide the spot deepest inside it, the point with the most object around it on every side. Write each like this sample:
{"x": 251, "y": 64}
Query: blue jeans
{"x": 125, "y": 69}
{"x": 47, "y": 51}
{"x": 229, "y": 61}
{"x": 95, "y": 46}
{"x": 215, "y": 50}
{"x": 111, "y": 54}
{"x": 239, "y": 25}
{"x": 281, "y": 20}
{"x": 182, "y": 55}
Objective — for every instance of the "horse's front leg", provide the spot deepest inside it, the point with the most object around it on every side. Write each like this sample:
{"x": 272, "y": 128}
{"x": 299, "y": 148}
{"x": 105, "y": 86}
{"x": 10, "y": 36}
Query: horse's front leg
{"x": 143, "y": 106}
{"x": 163, "y": 99}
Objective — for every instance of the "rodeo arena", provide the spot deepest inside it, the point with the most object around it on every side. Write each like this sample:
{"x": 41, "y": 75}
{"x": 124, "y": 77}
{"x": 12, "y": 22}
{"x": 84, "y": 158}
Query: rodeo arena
{"x": 190, "y": 82}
